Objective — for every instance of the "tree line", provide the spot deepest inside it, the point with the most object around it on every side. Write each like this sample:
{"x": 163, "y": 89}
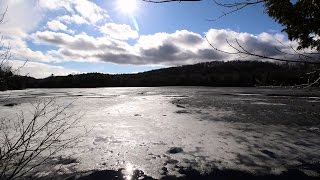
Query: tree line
{"x": 215, "y": 73}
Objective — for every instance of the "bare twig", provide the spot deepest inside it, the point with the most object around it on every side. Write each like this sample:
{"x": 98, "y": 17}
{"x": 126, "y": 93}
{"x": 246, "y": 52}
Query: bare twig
{"x": 26, "y": 144}
{"x": 235, "y": 7}
{"x": 240, "y": 50}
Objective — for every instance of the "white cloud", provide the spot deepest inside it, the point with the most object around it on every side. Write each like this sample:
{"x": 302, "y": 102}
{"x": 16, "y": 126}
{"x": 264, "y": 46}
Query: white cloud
{"x": 182, "y": 38}
{"x": 80, "y": 42}
{"x": 58, "y": 26}
{"x": 21, "y": 17}
{"x": 90, "y": 11}
{"x": 76, "y": 19}
{"x": 19, "y": 50}
{"x": 264, "y": 44}
{"x": 119, "y": 31}
{"x": 87, "y": 10}
{"x": 24, "y": 17}
{"x": 178, "y": 48}
{"x": 40, "y": 70}
{"x": 56, "y": 4}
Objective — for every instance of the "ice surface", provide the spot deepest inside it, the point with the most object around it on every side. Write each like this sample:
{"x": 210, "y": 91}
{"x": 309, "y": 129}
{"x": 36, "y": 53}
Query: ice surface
{"x": 248, "y": 129}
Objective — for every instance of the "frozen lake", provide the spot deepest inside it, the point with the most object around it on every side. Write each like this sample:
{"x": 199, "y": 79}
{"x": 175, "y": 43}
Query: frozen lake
{"x": 162, "y": 131}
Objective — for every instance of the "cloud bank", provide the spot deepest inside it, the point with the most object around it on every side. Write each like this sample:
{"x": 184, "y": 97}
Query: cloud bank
{"x": 52, "y": 31}
{"x": 178, "y": 48}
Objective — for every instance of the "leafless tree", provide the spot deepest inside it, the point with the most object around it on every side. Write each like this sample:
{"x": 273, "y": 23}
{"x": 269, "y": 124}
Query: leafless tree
{"x": 4, "y": 49}
{"x": 5, "y": 55}
{"x": 27, "y": 142}
{"x": 6, "y": 69}
{"x": 31, "y": 138}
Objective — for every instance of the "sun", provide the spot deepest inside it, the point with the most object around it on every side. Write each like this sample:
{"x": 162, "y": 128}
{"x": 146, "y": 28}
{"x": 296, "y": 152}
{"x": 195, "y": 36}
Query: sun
{"x": 127, "y": 6}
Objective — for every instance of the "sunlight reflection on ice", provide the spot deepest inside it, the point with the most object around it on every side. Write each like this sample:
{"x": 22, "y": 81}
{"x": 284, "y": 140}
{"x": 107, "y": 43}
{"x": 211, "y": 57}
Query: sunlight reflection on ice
{"x": 128, "y": 171}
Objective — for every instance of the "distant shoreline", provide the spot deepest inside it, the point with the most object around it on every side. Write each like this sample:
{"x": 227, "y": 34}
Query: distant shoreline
{"x": 210, "y": 74}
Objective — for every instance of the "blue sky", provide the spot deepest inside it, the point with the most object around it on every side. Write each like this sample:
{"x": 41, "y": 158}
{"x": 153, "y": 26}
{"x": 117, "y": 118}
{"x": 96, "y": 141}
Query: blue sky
{"x": 61, "y": 37}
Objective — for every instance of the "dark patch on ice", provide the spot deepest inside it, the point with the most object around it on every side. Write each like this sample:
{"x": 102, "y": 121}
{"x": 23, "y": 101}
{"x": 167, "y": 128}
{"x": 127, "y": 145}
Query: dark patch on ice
{"x": 302, "y": 143}
{"x": 176, "y": 96}
{"x": 60, "y": 160}
{"x": 175, "y": 150}
{"x": 11, "y": 104}
{"x": 241, "y": 94}
{"x": 299, "y": 113}
{"x": 110, "y": 175}
{"x": 309, "y": 166}
{"x": 241, "y": 139}
{"x": 101, "y": 139}
{"x": 180, "y": 106}
{"x": 164, "y": 171}
{"x": 39, "y": 94}
{"x": 66, "y": 160}
{"x": 155, "y": 156}
{"x": 182, "y": 112}
{"x": 289, "y": 95}
{"x": 109, "y": 140}
{"x": 137, "y": 115}
{"x": 244, "y": 160}
{"x": 269, "y": 153}
{"x": 171, "y": 161}
{"x": 159, "y": 143}
{"x": 96, "y": 97}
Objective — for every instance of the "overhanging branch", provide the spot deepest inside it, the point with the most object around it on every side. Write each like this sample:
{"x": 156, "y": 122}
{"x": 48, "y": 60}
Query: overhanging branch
{"x": 240, "y": 50}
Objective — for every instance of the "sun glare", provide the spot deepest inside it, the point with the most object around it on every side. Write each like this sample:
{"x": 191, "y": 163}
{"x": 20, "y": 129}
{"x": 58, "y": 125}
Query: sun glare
{"x": 127, "y": 6}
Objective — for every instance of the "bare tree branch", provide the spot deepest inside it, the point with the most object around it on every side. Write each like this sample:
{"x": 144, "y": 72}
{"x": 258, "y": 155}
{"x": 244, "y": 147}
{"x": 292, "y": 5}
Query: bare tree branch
{"x": 26, "y": 144}
{"x": 240, "y": 50}
{"x": 2, "y": 15}
{"x": 235, "y": 7}
{"x": 238, "y": 4}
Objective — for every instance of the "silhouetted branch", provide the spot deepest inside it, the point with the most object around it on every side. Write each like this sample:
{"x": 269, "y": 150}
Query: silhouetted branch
{"x": 6, "y": 69}
{"x": 5, "y": 55}
{"x": 304, "y": 54}
{"x": 241, "y": 51}
{"x": 236, "y": 6}
{"x": 2, "y": 15}
{"x": 29, "y": 143}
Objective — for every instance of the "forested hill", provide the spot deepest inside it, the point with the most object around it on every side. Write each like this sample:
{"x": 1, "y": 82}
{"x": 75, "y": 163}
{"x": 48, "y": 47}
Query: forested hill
{"x": 232, "y": 73}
